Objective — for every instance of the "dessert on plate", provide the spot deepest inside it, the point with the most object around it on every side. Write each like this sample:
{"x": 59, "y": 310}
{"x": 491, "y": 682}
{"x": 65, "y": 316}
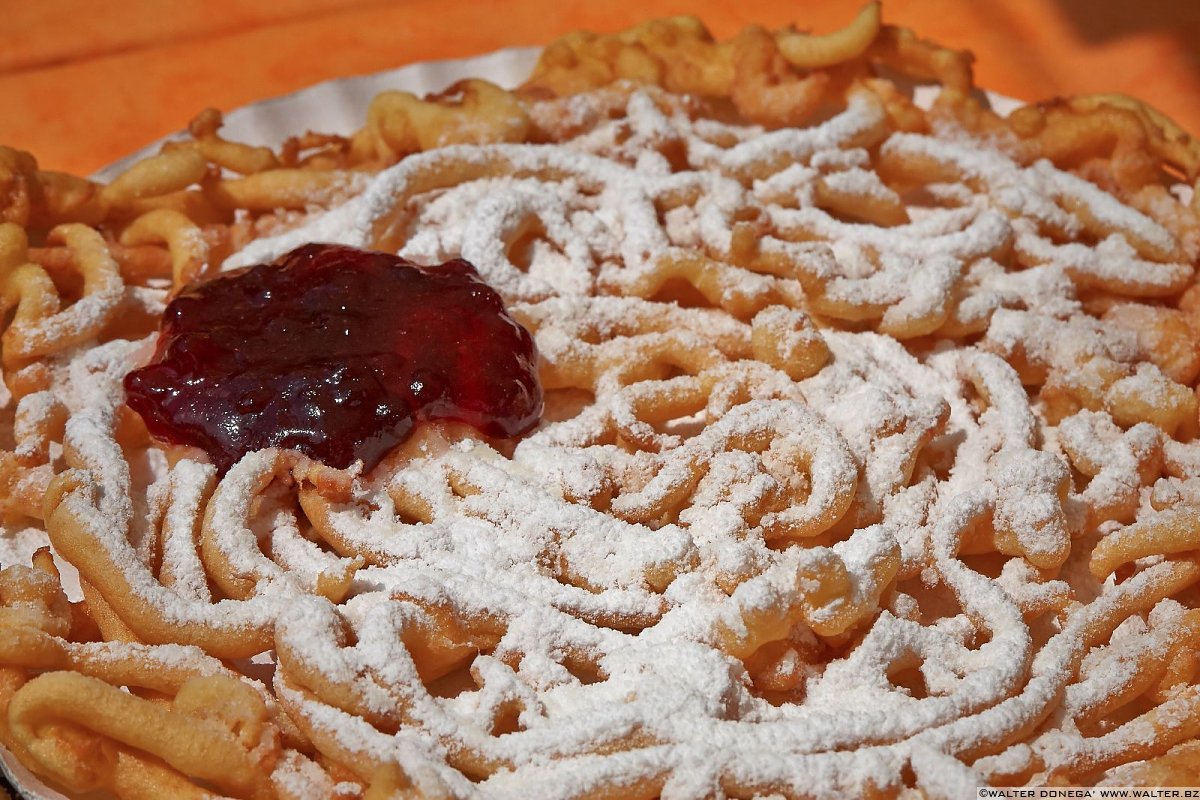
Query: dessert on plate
{"x": 696, "y": 419}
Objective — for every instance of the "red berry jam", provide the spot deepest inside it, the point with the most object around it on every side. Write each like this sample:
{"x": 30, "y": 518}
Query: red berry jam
{"x": 335, "y": 352}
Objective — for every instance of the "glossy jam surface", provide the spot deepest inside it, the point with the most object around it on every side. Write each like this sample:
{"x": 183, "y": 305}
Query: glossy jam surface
{"x": 335, "y": 352}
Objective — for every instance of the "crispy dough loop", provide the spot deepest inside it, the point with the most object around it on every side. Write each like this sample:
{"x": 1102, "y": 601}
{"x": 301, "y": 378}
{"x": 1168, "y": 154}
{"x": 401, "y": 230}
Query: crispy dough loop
{"x": 1030, "y": 484}
{"x": 807, "y": 51}
{"x": 1118, "y": 463}
{"x": 763, "y": 73}
{"x": 233, "y": 156}
{"x": 765, "y": 88}
{"x": 680, "y": 469}
{"x": 76, "y": 524}
{"x": 170, "y": 171}
{"x": 40, "y": 327}
{"x": 469, "y": 112}
{"x": 1174, "y": 530}
{"x": 228, "y": 549}
{"x": 19, "y": 188}
{"x": 42, "y": 199}
{"x": 1092, "y": 373}
{"x": 1129, "y": 126}
{"x": 189, "y": 250}
{"x": 786, "y": 339}
{"x": 196, "y": 735}
{"x": 32, "y": 598}
{"x": 721, "y": 284}
{"x": 283, "y": 188}
{"x": 902, "y": 49}
{"x": 51, "y": 716}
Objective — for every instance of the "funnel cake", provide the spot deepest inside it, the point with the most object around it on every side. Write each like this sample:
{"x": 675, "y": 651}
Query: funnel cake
{"x": 868, "y": 463}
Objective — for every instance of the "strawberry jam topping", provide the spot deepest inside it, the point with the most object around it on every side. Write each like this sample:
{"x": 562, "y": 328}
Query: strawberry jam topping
{"x": 335, "y": 352}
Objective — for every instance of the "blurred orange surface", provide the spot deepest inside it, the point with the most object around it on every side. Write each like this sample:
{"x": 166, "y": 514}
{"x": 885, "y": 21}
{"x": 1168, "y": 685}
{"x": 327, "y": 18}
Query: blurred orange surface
{"x": 83, "y": 83}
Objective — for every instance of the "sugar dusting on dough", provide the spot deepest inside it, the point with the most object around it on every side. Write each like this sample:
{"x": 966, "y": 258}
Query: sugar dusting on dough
{"x": 624, "y": 565}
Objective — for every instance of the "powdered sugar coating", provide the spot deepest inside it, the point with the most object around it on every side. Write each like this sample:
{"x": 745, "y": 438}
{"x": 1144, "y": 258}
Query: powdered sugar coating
{"x": 704, "y": 572}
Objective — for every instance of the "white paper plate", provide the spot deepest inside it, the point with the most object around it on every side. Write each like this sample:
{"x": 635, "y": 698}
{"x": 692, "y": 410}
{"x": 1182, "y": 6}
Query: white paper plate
{"x": 339, "y": 106}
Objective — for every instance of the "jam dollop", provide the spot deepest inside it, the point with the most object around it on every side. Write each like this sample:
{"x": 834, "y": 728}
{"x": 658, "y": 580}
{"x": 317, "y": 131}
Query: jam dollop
{"x": 336, "y": 352}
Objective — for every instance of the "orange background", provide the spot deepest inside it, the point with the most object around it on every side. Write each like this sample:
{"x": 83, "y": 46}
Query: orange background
{"x": 84, "y": 82}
